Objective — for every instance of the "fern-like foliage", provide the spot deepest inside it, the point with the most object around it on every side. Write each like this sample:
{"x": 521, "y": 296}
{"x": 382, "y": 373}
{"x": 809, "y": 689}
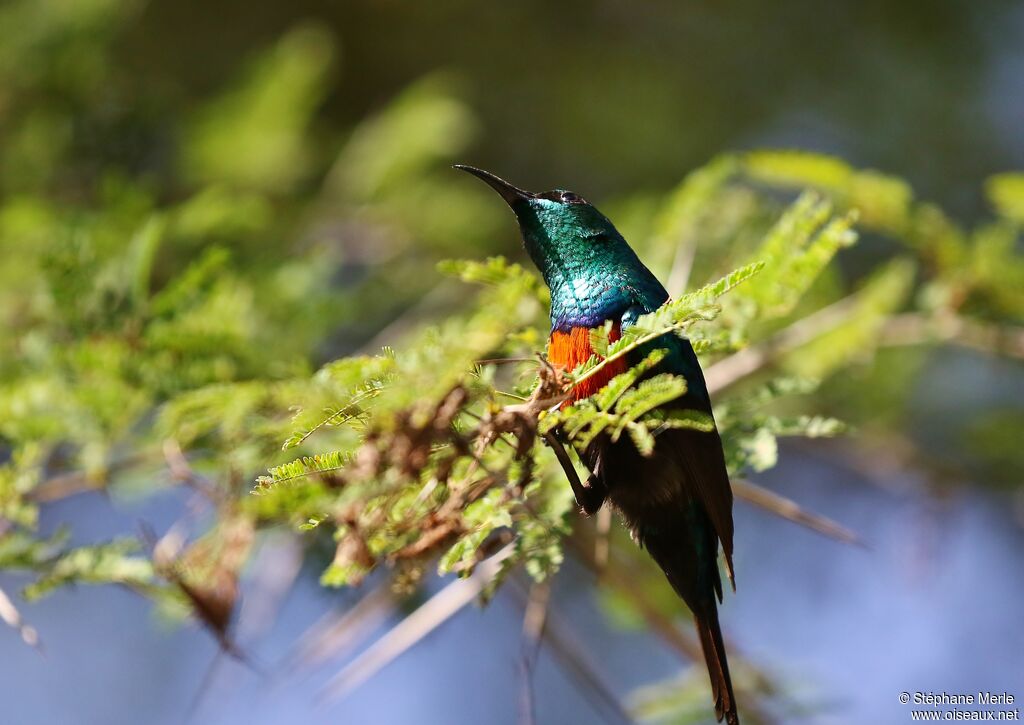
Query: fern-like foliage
{"x": 671, "y": 318}
{"x": 625, "y": 406}
{"x": 160, "y": 349}
{"x": 321, "y": 463}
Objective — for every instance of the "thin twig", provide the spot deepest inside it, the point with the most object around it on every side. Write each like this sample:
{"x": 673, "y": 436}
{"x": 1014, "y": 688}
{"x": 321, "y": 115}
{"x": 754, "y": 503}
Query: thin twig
{"x": 65, "y": 484}
{"x": 792, "y": 511}
{"x": 71, "y": 483}
{"x": 339, "y": 632}
{"x": 682, "y": 265}
{"x": 534, "y": 619}
{"x": 182, "y": 472}
{"x": 205, "y": 685}
{"x": 570, "y": 653}
{"x": 276, "y": 569}
{"x": 913, "y": 328}
{"x": 432, "y": 614}
{"x": 407, "y": 320}
{"x": 12, "y": 617}
{"x": 739, "y": 365}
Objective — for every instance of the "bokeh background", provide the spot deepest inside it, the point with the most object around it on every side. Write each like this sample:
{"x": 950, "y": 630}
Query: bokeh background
{"x": 324, "y": 129}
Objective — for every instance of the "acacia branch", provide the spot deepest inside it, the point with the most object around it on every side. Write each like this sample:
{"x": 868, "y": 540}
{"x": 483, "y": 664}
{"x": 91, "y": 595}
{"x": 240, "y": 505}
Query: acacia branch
{"x": 739, "y": 365}
{"x": 792, "y": 511}
{"x": 12, "y": 618}
{"x": 912, "y": 328}
{"x": 534, "y": 620}
{"x": 428, "y": 617}
{"x": 915, "y": 328}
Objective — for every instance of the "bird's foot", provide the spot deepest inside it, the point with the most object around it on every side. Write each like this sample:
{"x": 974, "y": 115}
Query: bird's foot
{"x": 589, "y": 496}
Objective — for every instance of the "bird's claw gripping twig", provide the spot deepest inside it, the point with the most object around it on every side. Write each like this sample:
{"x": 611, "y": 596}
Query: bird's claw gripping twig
{"x": 589, "y": 496}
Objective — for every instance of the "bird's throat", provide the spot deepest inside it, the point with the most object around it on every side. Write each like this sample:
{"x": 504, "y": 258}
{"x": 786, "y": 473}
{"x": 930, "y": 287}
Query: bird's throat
{"x": 568, "y": 349}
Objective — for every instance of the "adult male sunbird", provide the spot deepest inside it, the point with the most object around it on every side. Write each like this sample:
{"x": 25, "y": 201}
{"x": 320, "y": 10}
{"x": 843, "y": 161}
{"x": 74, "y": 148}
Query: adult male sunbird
{"x": 676, "y": 502}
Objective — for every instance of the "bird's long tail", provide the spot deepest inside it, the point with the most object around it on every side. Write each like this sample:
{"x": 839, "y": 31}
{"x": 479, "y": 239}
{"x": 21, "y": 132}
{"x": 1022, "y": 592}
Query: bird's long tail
{"x": 718, "y": 665}
{"x": 689, "y": 563}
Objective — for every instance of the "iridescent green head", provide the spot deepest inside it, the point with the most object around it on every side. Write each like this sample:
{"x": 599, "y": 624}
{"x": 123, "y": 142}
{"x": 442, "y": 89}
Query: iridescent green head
{"x": 558, "y": 226}
{"x": 592, "y": 272}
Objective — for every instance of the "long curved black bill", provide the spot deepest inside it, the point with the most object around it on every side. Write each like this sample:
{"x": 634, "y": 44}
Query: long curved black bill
{"x": 509, "y": 193}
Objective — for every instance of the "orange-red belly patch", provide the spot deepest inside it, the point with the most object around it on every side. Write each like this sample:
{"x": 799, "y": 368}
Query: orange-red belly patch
{"x": 566, "y": 350}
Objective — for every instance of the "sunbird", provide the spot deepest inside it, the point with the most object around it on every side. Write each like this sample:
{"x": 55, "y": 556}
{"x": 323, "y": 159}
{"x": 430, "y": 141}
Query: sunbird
{"x": 676, "y": 502}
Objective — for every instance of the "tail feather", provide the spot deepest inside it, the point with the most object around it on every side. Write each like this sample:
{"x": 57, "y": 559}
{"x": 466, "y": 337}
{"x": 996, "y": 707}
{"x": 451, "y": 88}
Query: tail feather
{"x": 718, "y": 666}
{"x": 686, "y": 553}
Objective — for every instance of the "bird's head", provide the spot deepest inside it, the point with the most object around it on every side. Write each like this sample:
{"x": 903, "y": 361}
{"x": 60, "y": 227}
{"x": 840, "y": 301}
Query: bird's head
{"x": 565, "y": 235}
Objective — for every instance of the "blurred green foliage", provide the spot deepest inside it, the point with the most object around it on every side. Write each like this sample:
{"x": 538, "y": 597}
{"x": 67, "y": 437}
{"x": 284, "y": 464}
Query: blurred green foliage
{"x": 190, "y": 299}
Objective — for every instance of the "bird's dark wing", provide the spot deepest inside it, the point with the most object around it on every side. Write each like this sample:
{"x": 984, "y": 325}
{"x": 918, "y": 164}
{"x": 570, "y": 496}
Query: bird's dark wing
{"x": 698, "y": 455}
{"x": 678, "y": 504}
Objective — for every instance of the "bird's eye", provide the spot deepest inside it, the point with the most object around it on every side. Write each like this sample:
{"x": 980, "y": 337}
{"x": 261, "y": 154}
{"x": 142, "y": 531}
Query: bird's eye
{"x": 569, "y": 197}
